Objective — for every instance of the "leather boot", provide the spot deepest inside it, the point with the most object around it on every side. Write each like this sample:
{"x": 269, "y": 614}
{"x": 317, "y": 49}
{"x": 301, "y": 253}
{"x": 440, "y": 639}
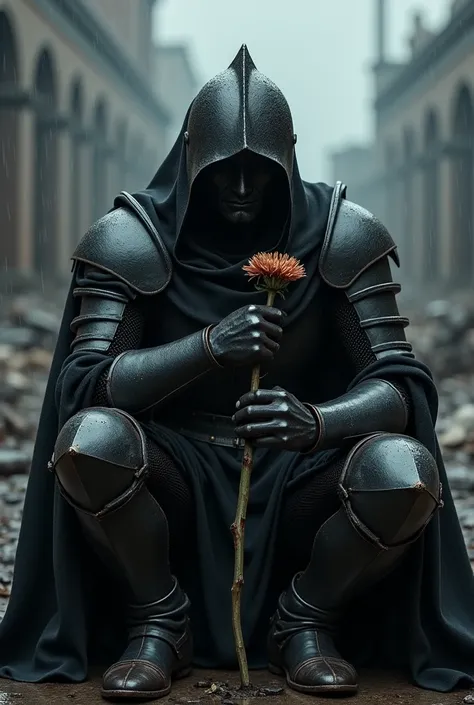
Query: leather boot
{"x": 301, "y": 647}
{"x": 101, "y": 463}
{"x": 159, "y": 650}
{"x": 389, "y": 489}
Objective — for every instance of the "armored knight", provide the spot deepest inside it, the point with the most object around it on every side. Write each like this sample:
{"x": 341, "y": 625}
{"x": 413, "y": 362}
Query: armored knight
{"x": 147, "y": 410}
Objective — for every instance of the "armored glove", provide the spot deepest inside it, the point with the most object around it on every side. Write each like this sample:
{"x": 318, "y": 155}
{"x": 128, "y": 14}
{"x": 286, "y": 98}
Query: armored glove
{"x": 274, "y": 418}
{"x": 248, "y": 336}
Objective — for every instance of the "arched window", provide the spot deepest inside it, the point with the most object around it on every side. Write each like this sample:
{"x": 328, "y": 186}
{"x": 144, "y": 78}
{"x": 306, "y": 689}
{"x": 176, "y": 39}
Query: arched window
{"x": 8, "y": 147}
{"x": 45, "y": 252}
{"x": 77, "y": 116}
{"x": 431, "y": 207}
{"x": 462, "y": 187}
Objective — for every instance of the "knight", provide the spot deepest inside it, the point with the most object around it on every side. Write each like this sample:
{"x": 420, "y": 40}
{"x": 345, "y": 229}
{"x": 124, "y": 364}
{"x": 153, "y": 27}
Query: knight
{"x": 125, "y": 555}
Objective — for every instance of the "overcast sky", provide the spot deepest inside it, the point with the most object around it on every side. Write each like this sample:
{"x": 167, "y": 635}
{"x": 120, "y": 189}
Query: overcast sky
{"x": 317, "y": 51}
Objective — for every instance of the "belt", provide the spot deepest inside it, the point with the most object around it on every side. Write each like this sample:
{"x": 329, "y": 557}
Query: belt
{"x": 210, "y": 428}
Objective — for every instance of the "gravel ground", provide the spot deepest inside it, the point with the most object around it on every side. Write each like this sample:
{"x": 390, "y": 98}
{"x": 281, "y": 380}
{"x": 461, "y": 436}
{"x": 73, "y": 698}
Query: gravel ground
{"x": 443, "y": 337}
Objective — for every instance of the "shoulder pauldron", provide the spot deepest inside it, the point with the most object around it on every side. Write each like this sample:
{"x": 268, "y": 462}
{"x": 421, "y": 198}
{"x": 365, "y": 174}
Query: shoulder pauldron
{"x": 355, "y": 239}
{"x": 126, "y": 243}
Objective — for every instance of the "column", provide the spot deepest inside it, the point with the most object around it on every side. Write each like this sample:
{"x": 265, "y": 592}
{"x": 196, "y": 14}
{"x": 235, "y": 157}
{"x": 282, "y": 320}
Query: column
{"x": 64, "y": 209}
{"x": 25, "y": 192}
{"x": 87, "y": 165}
{"x": 112, "y": 178}
{"x": 417, "y": 234}
{"x": 446, "y": 177}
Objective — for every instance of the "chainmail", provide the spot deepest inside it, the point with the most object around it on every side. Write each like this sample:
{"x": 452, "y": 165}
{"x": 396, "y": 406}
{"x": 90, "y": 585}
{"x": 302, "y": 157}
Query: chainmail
{"x": 127, "y": 337}
{"x": 356, "y": 342}
{"x": 169, "y": 488}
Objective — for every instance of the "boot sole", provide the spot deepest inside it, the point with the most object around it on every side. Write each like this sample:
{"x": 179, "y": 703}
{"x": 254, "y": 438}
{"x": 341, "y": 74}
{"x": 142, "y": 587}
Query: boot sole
{"x": 145, "y": 694}
{"x": 316, "y": 689}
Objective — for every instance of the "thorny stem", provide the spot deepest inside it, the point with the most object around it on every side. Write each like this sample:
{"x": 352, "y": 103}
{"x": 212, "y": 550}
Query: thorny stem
{"x": 238, "y": 532}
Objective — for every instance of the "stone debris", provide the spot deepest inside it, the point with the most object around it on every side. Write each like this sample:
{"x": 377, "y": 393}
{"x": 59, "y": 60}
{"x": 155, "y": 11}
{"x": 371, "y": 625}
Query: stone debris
{"x": 442, "y": 335}
{"x": 28, "y": 329}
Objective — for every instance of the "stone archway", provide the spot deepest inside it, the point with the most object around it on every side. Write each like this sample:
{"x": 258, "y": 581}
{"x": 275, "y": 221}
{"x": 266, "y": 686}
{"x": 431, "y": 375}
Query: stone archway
{"x": 8, "y": 146}
{"x": 463, "y": 188}
{"x": 99, "y": 179}
{"x": 45, "y": 245}
{"x": 407, "y": 207}
{"x": 77, "y": 116}
{"x": 431, "y": 262}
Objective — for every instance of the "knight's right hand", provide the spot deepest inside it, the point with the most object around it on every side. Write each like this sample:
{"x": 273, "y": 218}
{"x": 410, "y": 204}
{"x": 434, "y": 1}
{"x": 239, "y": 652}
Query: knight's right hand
{"x": 248, "y": 336}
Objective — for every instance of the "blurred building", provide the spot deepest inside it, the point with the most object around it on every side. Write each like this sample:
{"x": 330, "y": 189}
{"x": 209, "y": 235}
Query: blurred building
{"x": 422, "y": 180}
{"x": 79, "y": 121}
{"x": 177, "y": 83}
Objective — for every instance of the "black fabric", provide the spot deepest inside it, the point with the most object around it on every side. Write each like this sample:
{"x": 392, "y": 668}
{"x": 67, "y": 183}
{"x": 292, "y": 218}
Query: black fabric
{"x": 305, "y": 508}
{"x": 207, "y": 282}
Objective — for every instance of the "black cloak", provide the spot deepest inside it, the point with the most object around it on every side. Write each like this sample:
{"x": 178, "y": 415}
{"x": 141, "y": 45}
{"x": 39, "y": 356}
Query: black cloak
{"x": 61, "y": 620}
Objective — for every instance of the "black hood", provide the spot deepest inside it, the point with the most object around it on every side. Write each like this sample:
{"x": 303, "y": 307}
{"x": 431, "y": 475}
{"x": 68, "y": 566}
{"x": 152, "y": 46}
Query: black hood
{"x": 238, "y": 109}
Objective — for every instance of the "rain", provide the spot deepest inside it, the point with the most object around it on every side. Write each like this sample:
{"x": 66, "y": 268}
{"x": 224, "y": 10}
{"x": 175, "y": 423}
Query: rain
{"x": 92, "y": 95}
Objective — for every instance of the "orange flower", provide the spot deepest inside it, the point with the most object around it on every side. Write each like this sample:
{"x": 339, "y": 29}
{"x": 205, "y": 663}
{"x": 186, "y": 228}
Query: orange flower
{"x": 277, "y": 270}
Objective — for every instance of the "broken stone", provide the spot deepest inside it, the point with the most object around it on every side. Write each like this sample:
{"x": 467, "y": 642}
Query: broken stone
{"x": 454, "y": 437}
{"x": 465, "y": 416}
{"x": 14, "y": 460}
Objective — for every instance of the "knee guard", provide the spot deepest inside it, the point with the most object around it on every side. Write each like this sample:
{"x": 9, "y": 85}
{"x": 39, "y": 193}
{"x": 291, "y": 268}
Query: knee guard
{"x": 390, "y": 489}
{"x": 100, "y": 459}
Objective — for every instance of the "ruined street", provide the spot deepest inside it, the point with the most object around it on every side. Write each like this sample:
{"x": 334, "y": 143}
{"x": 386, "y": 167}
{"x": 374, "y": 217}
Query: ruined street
{"x": 443, "y": 335}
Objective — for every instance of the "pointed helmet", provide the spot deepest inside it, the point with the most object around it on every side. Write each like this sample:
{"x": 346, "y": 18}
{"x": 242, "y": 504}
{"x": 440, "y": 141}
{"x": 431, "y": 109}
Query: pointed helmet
{"x": 239, "y": 109}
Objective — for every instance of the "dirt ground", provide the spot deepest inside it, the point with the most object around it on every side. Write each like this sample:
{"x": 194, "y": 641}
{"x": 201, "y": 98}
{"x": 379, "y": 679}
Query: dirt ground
{"x": 376, "y": 689}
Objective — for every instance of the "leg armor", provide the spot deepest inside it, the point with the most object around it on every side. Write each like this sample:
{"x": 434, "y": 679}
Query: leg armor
{"x": 389, "y": 489}
{"x": 100, "y": 461}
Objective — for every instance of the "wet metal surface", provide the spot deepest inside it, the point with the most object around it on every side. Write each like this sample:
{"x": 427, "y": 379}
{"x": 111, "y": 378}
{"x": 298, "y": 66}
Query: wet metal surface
{"x": 376, "y": 689}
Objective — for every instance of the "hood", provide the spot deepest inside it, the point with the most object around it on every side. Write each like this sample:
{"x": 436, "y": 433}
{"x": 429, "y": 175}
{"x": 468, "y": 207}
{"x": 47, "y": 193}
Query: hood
{"x": 239, "y": 109}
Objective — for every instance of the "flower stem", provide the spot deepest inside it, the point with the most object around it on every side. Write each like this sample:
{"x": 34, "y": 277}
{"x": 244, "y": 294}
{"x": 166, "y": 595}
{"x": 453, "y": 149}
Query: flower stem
{"x": 238, "y": 533}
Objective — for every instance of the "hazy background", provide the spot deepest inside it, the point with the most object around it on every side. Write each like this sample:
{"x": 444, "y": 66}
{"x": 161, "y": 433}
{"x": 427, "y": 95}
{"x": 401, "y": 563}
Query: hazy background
{"x": 319, "y": 53}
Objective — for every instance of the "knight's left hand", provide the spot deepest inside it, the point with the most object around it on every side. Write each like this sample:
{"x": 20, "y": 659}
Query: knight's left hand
{"x": 274, "y": 418}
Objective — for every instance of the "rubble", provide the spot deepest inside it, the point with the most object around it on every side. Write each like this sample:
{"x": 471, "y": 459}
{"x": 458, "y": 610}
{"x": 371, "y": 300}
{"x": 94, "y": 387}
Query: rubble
{"x": 442, "y": 335}
{"x": 28, "y": 329}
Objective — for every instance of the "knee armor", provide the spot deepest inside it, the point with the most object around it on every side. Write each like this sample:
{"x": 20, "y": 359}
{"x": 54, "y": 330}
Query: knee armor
{"x": 100, "y": 459}
{"x": 390, "y": 488}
